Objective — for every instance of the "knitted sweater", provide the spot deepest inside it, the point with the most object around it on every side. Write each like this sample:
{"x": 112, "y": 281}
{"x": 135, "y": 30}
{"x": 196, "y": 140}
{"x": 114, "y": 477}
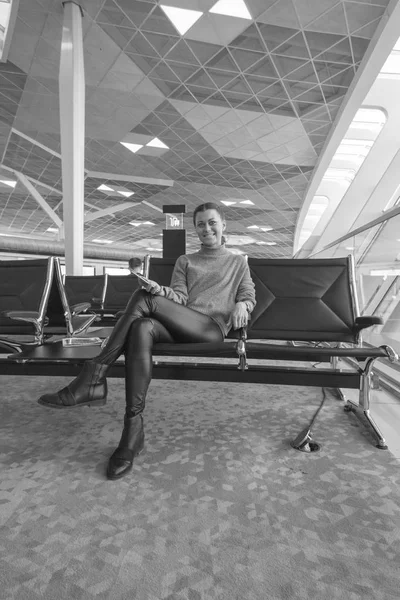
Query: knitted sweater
{"x": 211, "y": 281}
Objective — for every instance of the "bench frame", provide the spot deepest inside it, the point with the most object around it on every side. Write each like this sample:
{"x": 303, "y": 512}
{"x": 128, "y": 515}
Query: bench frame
{"x": 303, "y": 298}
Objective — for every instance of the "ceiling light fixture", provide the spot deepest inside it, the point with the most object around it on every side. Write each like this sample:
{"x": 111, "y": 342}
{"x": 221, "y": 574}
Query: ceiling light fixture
{"x": 102, "y": 241}
{"x": 231, "y": 8}
{"x": 156, "y": 143}
{"x": 252, "y": 227}
{"x": 126, "y": 194}
{"x": 227, "y": 202}
{"x": 266, "y": 229}
{"x": 105, "y": 188}
{"x": 270, "y": 243}
{"x": 52, "y": 230}
{"x": 155, "y": 249}
{"x": 8, "y": 182}
{"x": 249, "y": 202}
{"x": 132, "y": 147}
{"x": 138, "y": 223}
{"x": 181, "y": 18}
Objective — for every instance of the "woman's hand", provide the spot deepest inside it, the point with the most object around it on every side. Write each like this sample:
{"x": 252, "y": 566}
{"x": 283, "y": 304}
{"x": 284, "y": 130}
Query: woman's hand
{"x": 152, "y": 287}
{"x": 240, "y": 316}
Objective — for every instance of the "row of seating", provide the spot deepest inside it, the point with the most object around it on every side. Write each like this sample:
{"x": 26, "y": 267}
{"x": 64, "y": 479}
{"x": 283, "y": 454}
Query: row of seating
{"x": 107, "y": 294}
{"x": 36, "y": 303}
{"x": 307, "y": 300}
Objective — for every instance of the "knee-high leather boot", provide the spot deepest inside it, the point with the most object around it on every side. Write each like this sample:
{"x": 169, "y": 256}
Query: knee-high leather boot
{"x": 131, "y": 444}
{"x": 90, "y": 386}
{"x": 138, "y": 369}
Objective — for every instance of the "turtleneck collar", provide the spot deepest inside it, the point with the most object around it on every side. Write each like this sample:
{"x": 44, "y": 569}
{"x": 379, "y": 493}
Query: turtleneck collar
{"x": 218, "y": 251}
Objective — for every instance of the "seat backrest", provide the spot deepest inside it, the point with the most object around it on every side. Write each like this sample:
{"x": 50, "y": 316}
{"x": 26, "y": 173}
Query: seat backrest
{"x": 58, "y": 312}
{"x": 83, "y": 288}
{"x": 161, "y": 269}
{"x": 304, "y": 299}
{"x": 119, "y": 290}
{"x": 24, "y": 286}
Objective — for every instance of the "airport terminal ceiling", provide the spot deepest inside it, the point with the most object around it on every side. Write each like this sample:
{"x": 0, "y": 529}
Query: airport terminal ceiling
{"x": 235, "y": 109}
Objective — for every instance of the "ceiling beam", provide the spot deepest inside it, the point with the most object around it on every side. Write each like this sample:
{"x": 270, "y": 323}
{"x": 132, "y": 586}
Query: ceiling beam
{"x": 39, "y": 199}
{"x": 130, "y": 178}
{"x": 109, "y": 211}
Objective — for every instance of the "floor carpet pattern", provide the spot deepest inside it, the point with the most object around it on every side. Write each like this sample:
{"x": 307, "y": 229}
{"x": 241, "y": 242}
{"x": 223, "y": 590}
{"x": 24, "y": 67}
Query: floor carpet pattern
{"x": 218, "y": 507}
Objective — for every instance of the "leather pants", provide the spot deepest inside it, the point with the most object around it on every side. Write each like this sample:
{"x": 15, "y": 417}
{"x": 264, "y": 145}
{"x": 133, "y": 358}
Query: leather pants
{"x": 149, "y": 319}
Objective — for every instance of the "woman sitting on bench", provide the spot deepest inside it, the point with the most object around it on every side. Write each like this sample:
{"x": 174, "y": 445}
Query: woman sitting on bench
{"x": 211, "y": 292}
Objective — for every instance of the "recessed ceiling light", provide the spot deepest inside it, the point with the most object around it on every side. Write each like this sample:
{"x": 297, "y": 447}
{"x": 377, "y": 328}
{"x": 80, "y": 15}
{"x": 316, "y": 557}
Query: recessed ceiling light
{"x": 252, "y": 227}
{"x": 132, "y": 147}
{"x": 227, "y": 202}
{"x": 247, "y": 202}
{"x": 105, "y": 188}
{"x": 102, "y": 241}
{"x": 181, "y": 18}
{"x": 8, "y": 182}
{"x": 231, "y": 8}
{"x": 126, "y": 194}
{"x": 138, "y": 223}
{"x": 156, "y": 143}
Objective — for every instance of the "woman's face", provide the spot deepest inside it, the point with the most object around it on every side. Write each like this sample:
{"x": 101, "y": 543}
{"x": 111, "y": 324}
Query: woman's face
{"x": 210, "y": 227}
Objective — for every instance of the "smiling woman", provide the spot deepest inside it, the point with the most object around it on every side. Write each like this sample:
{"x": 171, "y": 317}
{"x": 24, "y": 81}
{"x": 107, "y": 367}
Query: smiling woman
{"x": 211, "y": 292}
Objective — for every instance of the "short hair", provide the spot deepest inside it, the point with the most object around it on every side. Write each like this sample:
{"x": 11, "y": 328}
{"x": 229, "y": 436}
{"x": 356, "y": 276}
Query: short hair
{"x": 134, "y": 262}
{"x": 208, "y": 206}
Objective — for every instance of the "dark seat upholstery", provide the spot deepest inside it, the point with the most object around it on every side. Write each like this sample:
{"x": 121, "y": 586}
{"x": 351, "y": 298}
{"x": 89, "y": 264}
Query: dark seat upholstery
{"x": 119, "y": 289}
{"x": 308, "y": 299}
{"x": 161, "y": 269}
{"x": 85, "y": 288}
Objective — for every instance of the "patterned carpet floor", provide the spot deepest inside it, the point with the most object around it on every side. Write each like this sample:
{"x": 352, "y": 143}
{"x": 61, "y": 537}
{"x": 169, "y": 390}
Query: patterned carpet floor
{"x": 219, "y": 506}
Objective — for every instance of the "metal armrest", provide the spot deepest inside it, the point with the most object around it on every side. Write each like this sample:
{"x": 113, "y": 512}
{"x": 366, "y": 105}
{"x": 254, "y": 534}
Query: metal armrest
{"x": 367, "y": 321}
{"x": 30, "y": 316}
{"x": 76, "y": 309}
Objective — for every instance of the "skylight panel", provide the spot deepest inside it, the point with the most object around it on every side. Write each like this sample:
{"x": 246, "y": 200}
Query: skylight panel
{"x": 8, "y": 182}
{"x": 132, "y": 147}
{"x": 181, "y": 18}
{"x": 156, "y": 143}
{"x": 369, "y": 115}
{"x": 392, "y": 64}
{"x": 231, "y": 8}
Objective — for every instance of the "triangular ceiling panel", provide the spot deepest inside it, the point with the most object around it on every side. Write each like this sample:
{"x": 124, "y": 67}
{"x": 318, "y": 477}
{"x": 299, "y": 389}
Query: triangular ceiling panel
{"x": 360, "y": 15}
{"x": 333, "y": 21}
{"x": 249, "y": 40}
{"x": 282, "y": 13}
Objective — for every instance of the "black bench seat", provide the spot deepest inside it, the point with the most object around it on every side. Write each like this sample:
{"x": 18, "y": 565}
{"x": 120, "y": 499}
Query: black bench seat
{"x": 306, "y": 313}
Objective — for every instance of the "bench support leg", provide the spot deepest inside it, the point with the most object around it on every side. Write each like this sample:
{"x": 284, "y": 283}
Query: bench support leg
{"x": 362, "y": 408}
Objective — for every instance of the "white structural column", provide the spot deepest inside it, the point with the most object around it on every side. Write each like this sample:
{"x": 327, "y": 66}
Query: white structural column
{"x": 72, "y": 126}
